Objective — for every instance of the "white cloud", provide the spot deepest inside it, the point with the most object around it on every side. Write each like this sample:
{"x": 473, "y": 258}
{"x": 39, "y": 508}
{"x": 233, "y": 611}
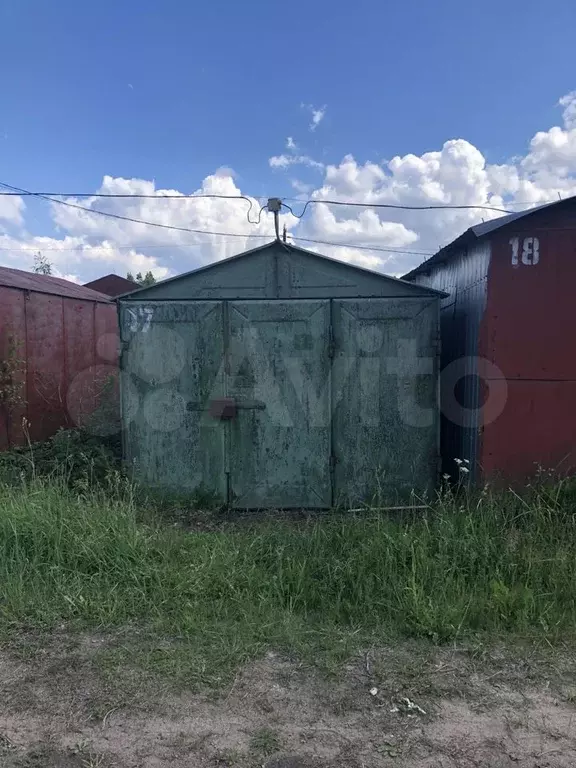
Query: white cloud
{"x": 67, "y": 276}
{"x": 364, "y": 228}
{"x": 91, "y": 245}
{"x": 317, "y": 113}
{"x": 317, "y": 117}
{"x": 291, "y": 144}
{"x": 301, "y": 187}
{"x": 181, "y": 250}
{"x": 11, "y": 210}
{"x": 70, "y": 255}
{"x": 283, "y": 161}
{"x": 569, "y": 113}
{"x": 457, "y": 173}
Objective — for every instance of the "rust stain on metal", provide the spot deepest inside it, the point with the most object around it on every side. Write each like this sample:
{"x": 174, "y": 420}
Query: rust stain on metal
{"x": 67, "y": 338}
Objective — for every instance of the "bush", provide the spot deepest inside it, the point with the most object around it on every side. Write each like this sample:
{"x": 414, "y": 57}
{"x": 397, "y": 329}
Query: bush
{"x": 72, "y": 455}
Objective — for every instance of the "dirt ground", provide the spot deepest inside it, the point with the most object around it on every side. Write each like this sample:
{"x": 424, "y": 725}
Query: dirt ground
{"x": 410, "y": 705}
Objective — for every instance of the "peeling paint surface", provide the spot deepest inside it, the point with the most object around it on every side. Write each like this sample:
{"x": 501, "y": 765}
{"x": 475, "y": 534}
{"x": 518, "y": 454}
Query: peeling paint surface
{"x": 289, "y": 404}
{"x": 281, "y": 378}
{"x": 385, "y": 414}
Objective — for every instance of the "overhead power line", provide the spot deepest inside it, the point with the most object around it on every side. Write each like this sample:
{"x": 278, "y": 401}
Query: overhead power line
{"x": 110, "y": 215}
{"x": 114, "y": 246}
{"x": 111, "y": 247}
{"x": 134, "y": 220}
{"x": 162, "y": 196}
{"x": 399, "y": 207}
{"x": 379, "y": 248}
{"x": 16, "y": 191}
{"x": 422, "y": 207}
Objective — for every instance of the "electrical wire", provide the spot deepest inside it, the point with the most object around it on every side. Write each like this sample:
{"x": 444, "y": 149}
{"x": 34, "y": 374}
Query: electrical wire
{"x": 369, "y": 205}
{"x": 378, "y": 248}
{"x": 398, "y": 207}
{"x": 188, "y": 229}
{"x": 250, "y": 200}
{"x": 128, "y": 218}
{"x": 136, "y": 196}
{"x": 50, "y": 197}
{"x": 359, "y": 247}
{"x": 114, "y": 246}
{"x": 88, "y": 247}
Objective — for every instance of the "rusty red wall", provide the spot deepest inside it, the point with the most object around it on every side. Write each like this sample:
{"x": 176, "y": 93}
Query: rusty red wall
{"x": 68, "y": 348}
{"x": 12, "y": 335}
{"x": 529, "y": 333}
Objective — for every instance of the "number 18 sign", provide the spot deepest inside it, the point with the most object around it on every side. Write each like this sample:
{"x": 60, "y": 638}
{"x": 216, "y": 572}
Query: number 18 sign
{"x": 530, "y": 253}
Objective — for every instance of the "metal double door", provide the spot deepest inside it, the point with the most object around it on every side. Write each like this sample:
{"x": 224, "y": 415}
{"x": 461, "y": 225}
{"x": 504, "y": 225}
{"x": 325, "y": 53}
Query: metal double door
{"x": 273, "y": 403}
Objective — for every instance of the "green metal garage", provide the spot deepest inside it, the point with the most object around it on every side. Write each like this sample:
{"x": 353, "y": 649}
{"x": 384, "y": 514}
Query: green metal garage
{"x": 280, "y": 378}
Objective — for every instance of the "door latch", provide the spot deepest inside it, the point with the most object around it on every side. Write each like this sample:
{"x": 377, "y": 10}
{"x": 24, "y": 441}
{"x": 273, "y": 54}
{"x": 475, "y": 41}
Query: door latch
{"x": 226, "y": 408}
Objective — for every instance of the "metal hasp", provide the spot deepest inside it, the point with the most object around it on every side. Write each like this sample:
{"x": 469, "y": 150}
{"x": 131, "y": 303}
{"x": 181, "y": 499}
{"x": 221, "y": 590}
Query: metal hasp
{"x": 282, "y": 379}
{"x": 225, "y": 408}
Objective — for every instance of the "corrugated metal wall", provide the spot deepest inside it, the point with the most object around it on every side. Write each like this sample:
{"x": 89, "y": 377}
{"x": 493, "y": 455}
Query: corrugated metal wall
{"x": 464, "y": 278}
{"x": 67, "y": 348}
{"x": 529, "y": 334}
{"x": 510, "y": 317}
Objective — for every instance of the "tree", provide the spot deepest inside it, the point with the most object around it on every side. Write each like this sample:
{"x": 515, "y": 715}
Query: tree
{"x": 144, "y": 281}
{"x": 41, "y": 265}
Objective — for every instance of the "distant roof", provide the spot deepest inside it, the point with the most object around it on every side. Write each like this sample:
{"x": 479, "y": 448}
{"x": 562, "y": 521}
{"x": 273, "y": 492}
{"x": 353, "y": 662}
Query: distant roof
{"x": 478, "y": 231}
{"x": 112, "y": 285}
{"x": 30, "y": 281}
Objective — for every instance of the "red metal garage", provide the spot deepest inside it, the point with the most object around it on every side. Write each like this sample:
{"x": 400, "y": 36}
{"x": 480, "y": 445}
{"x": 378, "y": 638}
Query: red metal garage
{"x": 58, "y": 344}
{"x": 509, "y": 343}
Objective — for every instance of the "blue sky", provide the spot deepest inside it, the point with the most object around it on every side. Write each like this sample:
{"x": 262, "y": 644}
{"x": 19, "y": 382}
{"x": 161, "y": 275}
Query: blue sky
{"x": 170, "y": 92}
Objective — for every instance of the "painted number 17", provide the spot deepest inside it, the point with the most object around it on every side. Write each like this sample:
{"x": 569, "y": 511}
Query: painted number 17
{"x": 530, "y": 251}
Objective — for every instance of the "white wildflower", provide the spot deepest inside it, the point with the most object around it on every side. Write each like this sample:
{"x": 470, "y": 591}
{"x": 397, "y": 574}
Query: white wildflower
{"x": 373, "y": 691}
{"x": 458, "y": 461}
{"x": 464, "y": 470}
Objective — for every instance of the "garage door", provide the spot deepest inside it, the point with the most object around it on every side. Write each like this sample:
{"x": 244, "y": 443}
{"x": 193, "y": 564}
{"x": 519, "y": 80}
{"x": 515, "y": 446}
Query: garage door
{"x": 279, "y": 377}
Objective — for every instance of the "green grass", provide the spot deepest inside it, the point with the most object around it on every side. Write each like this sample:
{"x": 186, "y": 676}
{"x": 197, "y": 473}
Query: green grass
{"x": 265, "y": 741}
{"x": 491, "y": 563}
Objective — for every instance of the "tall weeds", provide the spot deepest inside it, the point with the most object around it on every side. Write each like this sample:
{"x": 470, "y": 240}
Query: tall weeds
{"x": 489, "y": 562}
